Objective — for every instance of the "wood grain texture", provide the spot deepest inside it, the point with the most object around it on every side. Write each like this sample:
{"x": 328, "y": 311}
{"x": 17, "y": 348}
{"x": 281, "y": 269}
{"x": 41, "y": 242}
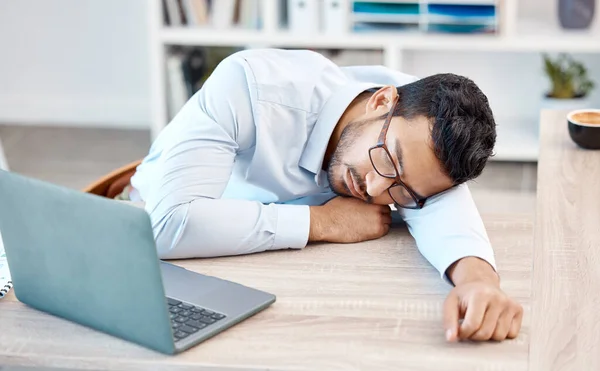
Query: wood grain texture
{"x": 368, "y": 306}
{"x": 566, "y": 280}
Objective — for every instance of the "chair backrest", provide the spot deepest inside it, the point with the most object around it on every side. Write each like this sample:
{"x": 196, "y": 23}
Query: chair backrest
{"x": 3, "y": 162}
{"x": 113, "y": 183}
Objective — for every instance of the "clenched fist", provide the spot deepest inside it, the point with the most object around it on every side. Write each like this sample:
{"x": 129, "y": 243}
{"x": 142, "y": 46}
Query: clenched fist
{"x": 489, "y": 314}
{"x": 346, "y": 220}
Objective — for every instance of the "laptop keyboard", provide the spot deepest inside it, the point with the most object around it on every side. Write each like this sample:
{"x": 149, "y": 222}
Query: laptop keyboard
{"x": 188, "y": 319}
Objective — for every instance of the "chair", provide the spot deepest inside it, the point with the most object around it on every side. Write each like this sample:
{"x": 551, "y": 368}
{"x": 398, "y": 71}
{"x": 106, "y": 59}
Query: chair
{"x": 113, "y": 183}
{"x": 3, "y": 162}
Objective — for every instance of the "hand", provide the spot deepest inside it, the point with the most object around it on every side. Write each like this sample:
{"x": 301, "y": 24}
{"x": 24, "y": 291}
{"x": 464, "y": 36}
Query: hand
{"x": 488, "y": 313}
{"x": 346, "y": 220}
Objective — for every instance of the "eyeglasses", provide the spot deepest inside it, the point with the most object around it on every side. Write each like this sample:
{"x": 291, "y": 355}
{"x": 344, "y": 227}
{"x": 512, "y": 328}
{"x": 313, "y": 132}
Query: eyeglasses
{"x": 384, "y": 165}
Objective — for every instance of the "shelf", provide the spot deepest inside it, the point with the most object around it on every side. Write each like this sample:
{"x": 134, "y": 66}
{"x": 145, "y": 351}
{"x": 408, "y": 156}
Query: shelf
{"x": 459, "y": 2}
{"x": 548, "y": 31}
{"x": 463, "y": 2}
{"x": 388, "y": 1}
{"x": 526, "y": 42}
{"x": 517, "y": 140}
{"x": 385, "y": 18}
{"x": 444, "y": 19}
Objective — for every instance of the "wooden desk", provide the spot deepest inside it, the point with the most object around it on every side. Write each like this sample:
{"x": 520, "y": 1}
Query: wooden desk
{"x": 371, "y": 306}
{"x": 566, "y": 280}
{"x": 378, "y": 305}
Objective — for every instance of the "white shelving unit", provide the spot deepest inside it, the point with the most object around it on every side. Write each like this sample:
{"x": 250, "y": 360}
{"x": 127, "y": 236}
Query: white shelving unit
{"x": 585, "y": 43}
{"x": 516, "y": 140}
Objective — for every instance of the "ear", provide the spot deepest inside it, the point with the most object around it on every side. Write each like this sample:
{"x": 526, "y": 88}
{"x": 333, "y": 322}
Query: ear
{"x": 382, "y": 100}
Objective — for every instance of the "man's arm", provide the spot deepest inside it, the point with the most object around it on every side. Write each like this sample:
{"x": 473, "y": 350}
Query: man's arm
{"x": 190, "y": 220}
{"x": 450, "y": 234}
{"x": 188, "y": 216}
{"x": 183, "y": 180}
{"x": 189, "y": 169}
{"x": 448, "y": 229}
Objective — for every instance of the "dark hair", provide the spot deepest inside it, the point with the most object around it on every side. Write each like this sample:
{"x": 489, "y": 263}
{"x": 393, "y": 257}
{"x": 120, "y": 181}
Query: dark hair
{"x": 463, "y": 129}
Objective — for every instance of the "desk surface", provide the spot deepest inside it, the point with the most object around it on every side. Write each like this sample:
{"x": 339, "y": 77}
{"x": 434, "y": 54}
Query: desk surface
{"x": 378, "y": 305}
{"x": 566, "y": 276}
{"x": 375, "y": 305}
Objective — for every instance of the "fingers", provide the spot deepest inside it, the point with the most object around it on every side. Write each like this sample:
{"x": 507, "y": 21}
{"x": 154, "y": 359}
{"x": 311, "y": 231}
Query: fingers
{"x": 491, "y": 324}
{"x": 502, "y": 320}
{"x": 385, "y": 209}
{"x": 473, "y": 317}
{"x": 386, "y": 214}
{"x": 503, "y": 325}
{"x": 488, "y": 313}
{"x": 379, "y": 231}
{"x": 509, "y": 323}
{"x": 515, "y": 326}
{"x": 451, "y": 316}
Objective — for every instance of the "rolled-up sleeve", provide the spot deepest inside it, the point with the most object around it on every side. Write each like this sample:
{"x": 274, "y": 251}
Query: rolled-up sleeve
{"x": 448, "y": 229}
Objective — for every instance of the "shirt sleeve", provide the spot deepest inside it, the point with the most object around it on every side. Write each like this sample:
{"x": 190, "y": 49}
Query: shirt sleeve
{"x": 448, "y": 229}
{"x": 190, "y": 172}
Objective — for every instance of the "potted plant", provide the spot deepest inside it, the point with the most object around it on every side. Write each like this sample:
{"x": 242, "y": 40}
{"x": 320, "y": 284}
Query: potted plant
{"x": 569, "y": 83}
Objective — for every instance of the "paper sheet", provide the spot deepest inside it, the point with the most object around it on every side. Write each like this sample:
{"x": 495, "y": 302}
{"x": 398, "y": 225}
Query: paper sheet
{"x": 4, "y": 272}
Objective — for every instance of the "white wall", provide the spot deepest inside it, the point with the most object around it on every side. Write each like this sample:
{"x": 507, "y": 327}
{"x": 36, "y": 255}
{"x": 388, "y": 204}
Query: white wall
{"x": 513, "y": 82}
{"x": 74, "y": 62}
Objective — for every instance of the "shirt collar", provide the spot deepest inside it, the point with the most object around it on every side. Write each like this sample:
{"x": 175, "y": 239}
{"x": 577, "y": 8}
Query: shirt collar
{"x": 334, "y": 108}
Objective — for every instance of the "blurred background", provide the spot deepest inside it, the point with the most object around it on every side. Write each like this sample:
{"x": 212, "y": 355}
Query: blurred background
{"x": 85, "y": 85}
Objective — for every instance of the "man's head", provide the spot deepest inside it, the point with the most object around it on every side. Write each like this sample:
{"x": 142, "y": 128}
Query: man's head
{"x": 441, "y": 134}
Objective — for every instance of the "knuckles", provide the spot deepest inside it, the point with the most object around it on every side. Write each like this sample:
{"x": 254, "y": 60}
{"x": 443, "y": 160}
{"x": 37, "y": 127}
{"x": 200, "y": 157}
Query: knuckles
{"x": 498, "y": 337}
{"x": 483, "y": 334}
{"x": 468, "y": 327}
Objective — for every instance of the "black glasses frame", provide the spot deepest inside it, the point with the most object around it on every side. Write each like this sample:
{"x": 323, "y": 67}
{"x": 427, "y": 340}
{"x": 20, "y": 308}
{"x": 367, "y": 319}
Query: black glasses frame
{"x": 419, "y": 202}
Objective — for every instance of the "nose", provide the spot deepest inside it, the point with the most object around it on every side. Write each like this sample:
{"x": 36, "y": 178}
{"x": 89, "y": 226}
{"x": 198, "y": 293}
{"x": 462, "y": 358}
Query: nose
{"x": 376, "y": 184}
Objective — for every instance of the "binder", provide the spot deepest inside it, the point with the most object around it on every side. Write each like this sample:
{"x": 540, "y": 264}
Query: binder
{"x": 176, "y": 88}
{"x": 196, "y": 12}
{"x": 5, "y": 279}
{"x": 174, "y": 13}
{"x": 303, "y": 16}
{"x": 249, "y": 14}
{"x": 334, "y": 16}
{"x": 223, "y": 13}
{"x": 5, "y": 289}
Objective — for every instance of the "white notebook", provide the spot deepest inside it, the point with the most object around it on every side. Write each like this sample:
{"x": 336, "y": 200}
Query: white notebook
{"x": 5, "y": 280}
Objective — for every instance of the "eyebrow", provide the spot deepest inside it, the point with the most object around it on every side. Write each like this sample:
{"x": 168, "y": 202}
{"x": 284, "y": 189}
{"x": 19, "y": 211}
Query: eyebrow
{"x": 398, "y": 153}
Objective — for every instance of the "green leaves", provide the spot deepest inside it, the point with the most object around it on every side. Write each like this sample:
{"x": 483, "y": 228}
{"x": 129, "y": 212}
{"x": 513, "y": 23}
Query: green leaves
{"x": 568, "y": 77}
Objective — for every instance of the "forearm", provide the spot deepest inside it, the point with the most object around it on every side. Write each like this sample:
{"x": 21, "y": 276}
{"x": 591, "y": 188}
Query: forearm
{"x": 348, "y": 220}
{"x": 449, "y": 229}
{"x": 318, "y": 226}
{"x": 472, "y": 269}
{"x": 222, "y": 227}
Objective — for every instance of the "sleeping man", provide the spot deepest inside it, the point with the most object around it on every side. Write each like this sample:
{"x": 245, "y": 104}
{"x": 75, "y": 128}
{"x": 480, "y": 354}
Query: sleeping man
{"x": 282, "y": 148}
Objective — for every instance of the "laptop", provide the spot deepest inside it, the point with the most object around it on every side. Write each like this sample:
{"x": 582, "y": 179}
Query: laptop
{"x": 93, "y": 261}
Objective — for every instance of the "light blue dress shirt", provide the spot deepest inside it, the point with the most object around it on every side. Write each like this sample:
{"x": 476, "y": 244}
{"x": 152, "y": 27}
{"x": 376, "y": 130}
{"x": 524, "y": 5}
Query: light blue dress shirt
{"x": 236, "y": 169}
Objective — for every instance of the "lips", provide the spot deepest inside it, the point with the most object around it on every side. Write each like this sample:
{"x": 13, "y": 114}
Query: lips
{"x": 352, "y": 186}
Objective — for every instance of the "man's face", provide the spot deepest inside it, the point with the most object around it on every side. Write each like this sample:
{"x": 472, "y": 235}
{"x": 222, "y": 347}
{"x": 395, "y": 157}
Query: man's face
{"x": 351, "y": 173}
